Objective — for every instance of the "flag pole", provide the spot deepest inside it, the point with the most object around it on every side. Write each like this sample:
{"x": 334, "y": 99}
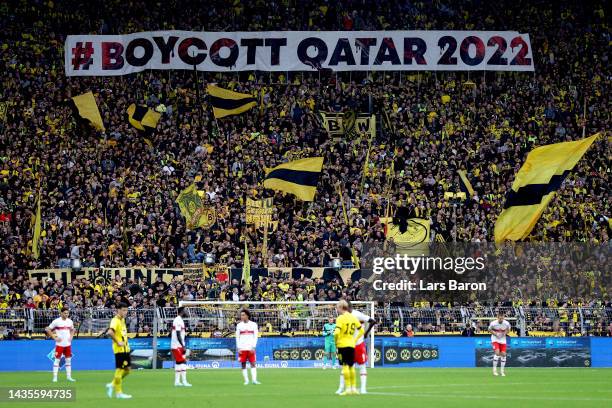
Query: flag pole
{"x": 341, "y": 196}
{"x": 584, "y": 117}
{"x": 196, "y": 84}
{"x": 37, "y": 224}
{"x": 365, "y": 165}
{"x": 264, "y": 246}
{"x": 354, "y": 258}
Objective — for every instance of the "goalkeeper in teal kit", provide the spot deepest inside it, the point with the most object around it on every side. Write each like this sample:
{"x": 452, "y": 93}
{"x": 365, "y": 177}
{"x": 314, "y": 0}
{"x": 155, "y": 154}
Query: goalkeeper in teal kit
{"x": 330, "y": 344}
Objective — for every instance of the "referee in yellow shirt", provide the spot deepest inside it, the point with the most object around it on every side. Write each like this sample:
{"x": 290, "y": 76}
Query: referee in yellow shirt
{"x": 118, "y": 333}
{"x": 344, "y": 335}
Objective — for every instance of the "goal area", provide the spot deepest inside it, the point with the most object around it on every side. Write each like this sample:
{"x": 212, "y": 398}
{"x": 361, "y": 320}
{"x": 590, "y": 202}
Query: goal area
{"x": 290, "y": 333}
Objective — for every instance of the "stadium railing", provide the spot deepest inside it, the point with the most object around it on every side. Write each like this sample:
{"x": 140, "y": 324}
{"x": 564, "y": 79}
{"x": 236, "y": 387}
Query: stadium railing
{"x": 393, "y": 320}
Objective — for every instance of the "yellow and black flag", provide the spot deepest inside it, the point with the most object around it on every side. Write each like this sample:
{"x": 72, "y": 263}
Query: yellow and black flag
{"x": 88, "y": 109}
{"x": 534, "y": 186}
{"x": 464, "y": 183}
{"x": 227, "y": 103}
{"x": 142, "y": 117}
{"x": 299, "y": 177}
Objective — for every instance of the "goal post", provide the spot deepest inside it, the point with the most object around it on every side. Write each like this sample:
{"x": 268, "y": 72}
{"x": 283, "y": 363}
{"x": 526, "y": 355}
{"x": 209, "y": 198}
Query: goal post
{"x": 290, "y": 333}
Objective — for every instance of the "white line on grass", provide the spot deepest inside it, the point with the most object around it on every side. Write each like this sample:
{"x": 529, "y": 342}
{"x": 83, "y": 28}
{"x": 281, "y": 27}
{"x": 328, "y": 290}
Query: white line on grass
{"x": 446, "y": 395}
{"x": 385, "y": 387}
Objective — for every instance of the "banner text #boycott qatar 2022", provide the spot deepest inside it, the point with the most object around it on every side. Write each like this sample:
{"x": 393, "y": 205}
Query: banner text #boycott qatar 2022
{"x": 101, "y": 55}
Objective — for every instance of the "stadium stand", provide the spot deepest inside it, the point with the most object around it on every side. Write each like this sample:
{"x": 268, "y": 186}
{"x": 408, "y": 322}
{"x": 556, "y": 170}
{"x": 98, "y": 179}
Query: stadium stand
{"x": 110, "y": 199}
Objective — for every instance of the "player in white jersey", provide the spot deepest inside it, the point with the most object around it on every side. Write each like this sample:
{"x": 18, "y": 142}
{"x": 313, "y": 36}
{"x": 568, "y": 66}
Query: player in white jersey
{"x": 61, "y": 330}
{"x": 246, "y": 342}
{"x": 179, "y": 351}
{"x": 361, "y": 354}
{"x": 499, "y": 328}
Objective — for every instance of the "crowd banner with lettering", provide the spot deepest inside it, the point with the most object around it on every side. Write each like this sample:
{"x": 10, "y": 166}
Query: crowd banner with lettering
{"x": 348, "y": 123}
{"x": 259, "y": 212}
{"x": 96, "y": 55}
{"x": 105, "y": 275}
{"x": 193, "y": 272}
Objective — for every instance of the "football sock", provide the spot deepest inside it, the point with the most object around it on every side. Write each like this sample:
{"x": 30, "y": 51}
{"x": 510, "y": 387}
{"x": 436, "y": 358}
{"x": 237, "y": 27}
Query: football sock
{"x": 184, "y": 372}
{"x": 117, "y": 381}
{"x": 69, "y": 367}
{"x": 363, "y": 376}
{"x": 503, "y": 363}
{"x": 254, "y": 373}
{"x": 341, "y": 380}
{"x": 346, "y": 372}
{"x": 56, "y": 363}
{"x": 245, "y": 375}
{"x": 177, "y": 373}
{"x": 333, "y": 358}
{"x": 495, "y": 358}
{"x": 353, "y": 377}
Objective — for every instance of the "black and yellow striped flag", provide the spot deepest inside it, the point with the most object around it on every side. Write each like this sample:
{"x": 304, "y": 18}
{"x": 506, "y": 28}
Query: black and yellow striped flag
{"x": 299, "y": 177}
{"x": 142, "y": 117}
{"x": 227, "y": 103}
{"x": 464, "y": 183}
{"x": 534, "y": 186}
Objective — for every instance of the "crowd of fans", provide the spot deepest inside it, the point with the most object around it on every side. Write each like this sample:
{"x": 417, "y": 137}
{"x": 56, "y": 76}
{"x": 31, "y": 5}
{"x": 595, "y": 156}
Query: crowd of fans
{"x": 79, "y": 293}
{"x": 109, "y": 198}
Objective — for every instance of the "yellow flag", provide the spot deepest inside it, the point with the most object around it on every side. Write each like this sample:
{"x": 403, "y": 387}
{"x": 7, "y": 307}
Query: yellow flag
{"x": 415, "y": 241}
{"x": 88, "y": 109}
{"x": 534, "y": 186}
{"x": 418, "y": 231}
{"x": 465, "y": 184}
{"x": 196, "y": 213}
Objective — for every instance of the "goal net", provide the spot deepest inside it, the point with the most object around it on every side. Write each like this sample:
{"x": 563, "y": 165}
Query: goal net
{"x": 290, "y": 333}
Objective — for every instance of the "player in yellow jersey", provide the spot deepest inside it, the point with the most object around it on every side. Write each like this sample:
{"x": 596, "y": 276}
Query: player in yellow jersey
{"x": 344, "y": 335}
{"x": 118, "y": 333}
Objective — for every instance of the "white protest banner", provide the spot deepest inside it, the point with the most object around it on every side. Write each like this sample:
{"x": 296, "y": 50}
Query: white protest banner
{"x": 92, "y": 55}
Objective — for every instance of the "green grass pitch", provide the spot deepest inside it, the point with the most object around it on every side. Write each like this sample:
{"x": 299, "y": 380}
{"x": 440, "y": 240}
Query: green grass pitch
{"x": 295, "y": 388}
